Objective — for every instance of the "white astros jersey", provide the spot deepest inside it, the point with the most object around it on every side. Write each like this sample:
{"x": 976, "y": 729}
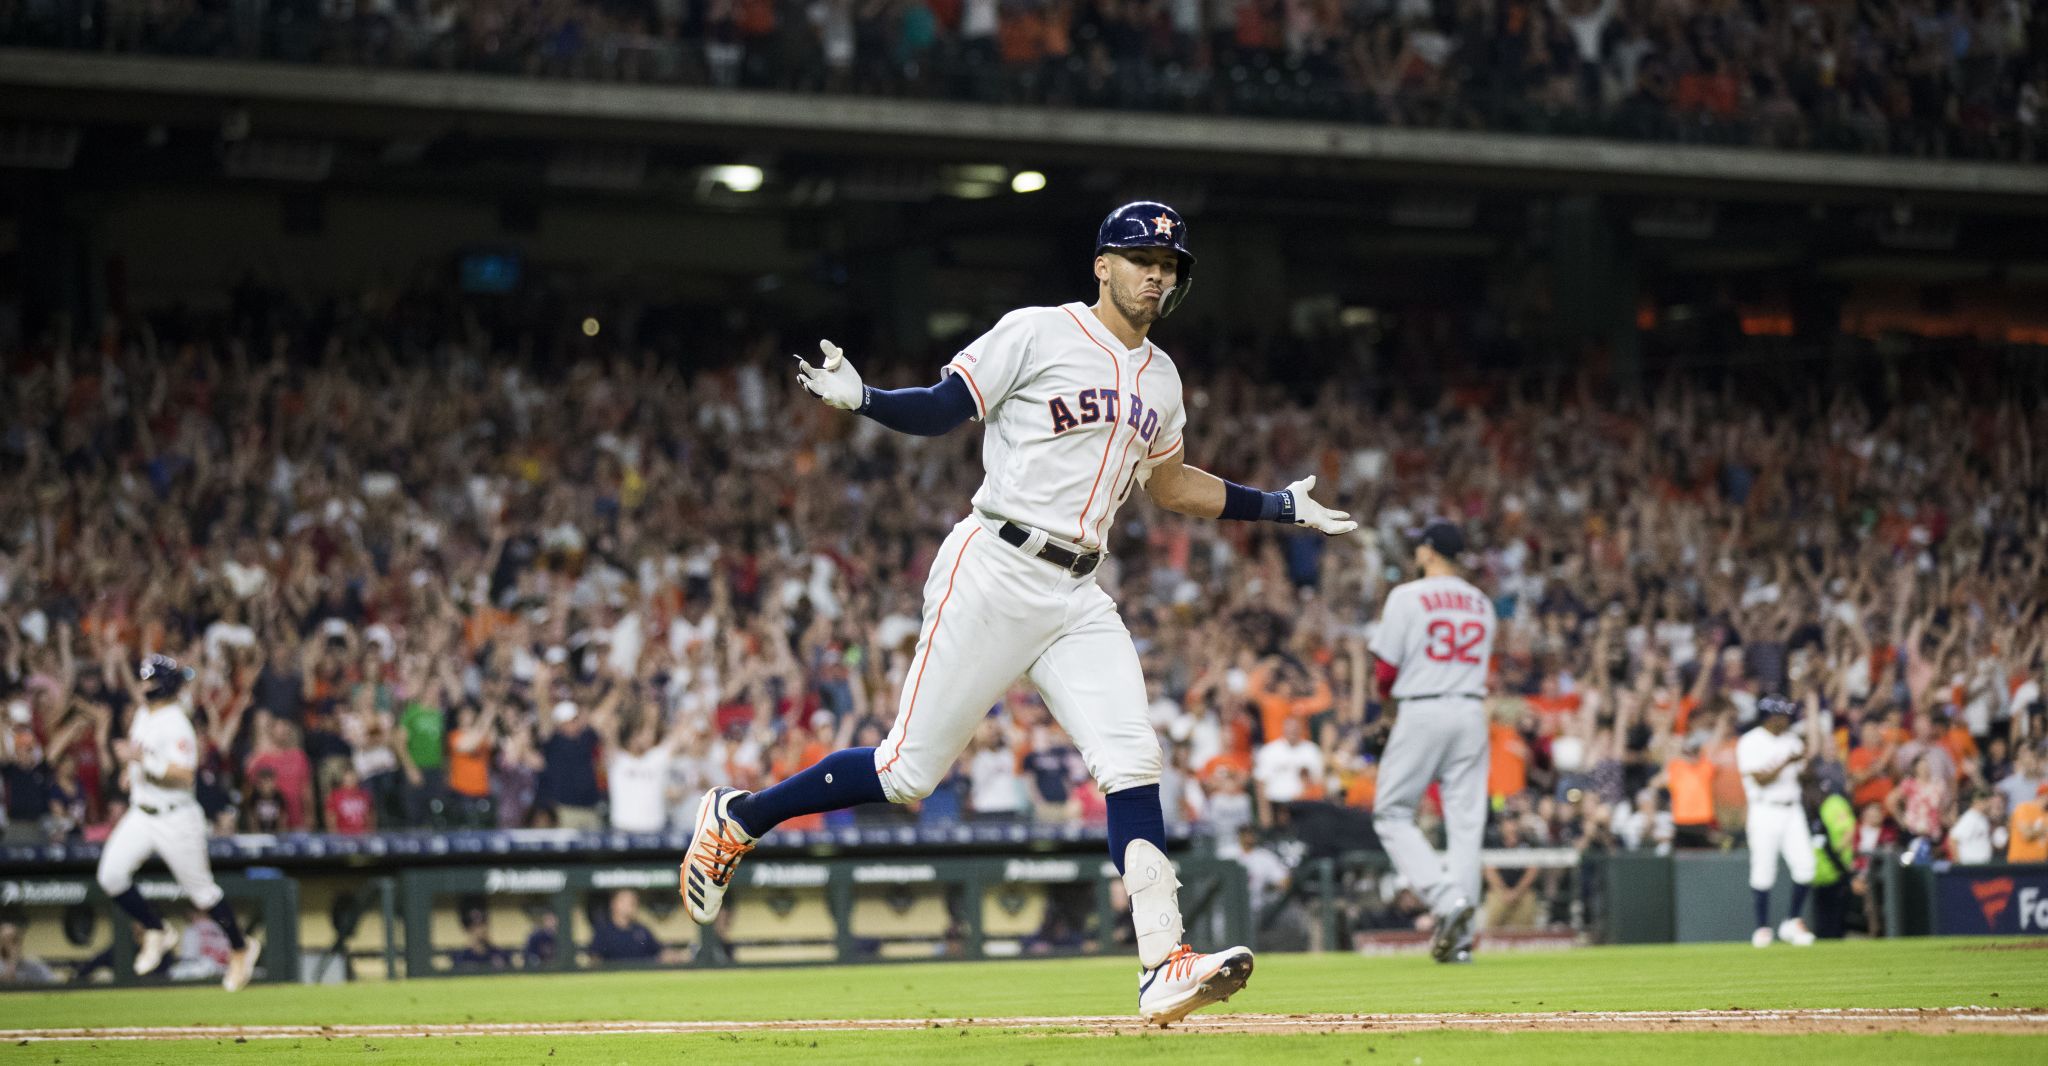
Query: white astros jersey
{"x": 1074, "y": 420}
{"x": 1438, "y": 631}
{"x": 163, "y": 737}
{"x": 161, "y": 821}
{"x": 1759, "y": 750}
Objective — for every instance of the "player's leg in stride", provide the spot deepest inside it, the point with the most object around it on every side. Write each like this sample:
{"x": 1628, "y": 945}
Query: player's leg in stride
{"x": 116, "y": 878}
{"x": 183, "y": 846}
{"x": 1409, "y": 764}
{"x": 979, "y": 633}
{"x": 1095, "y": 689}
{"x": 1174, "y": 980}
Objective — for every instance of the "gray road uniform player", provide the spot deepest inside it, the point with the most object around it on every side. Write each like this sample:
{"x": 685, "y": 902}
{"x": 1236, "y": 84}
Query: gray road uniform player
{"x": 1433, "y": 643}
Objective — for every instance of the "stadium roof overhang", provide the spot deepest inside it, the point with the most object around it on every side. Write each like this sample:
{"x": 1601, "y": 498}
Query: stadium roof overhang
{"x": 348, "y": 102}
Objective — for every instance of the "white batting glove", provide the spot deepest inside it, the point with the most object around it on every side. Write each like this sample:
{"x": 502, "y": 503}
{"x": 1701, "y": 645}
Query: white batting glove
{"x": 835, "y": 381}
{"x": 1308, "y": 512}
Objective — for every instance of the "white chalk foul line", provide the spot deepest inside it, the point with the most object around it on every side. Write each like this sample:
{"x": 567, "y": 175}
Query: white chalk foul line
{"x": 1976, "y": 1015}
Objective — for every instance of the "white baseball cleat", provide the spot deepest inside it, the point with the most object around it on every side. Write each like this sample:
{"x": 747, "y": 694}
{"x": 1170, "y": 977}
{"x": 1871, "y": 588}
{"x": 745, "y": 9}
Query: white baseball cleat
{"x": 1793, "y": 931}
{"x": 156, "y": 943}
{"x": 242, "y": 964}
{"x": 715, "y": 852}
{"x": 1761, "y": 938}
{"x": 1188, "y": 981}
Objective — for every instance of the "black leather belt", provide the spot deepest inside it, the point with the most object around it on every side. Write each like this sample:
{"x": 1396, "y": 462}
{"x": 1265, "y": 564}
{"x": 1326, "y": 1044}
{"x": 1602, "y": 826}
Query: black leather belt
{"x": 166, "y": 809}
{"x": 1073, "y": 563}
{"x": 1441, "y": 696}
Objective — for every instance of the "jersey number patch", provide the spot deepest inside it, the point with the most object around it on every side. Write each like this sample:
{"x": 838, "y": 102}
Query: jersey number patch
{"x": 1452, "y": 642}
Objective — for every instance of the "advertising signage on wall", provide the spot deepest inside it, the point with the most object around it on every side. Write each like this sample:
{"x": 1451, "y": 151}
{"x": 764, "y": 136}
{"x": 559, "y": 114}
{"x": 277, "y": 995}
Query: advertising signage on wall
{"x": 1992, "y": 901}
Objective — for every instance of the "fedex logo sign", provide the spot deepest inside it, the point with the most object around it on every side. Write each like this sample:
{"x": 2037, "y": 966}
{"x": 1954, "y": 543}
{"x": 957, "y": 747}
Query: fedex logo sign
{"x": 2015, "y": 900}
{"x": 2033, "y": 910}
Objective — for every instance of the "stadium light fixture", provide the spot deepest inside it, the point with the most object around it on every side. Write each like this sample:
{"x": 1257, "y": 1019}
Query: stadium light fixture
{"x": 1027, "y": 181}
{"x": 739, "y": 177}
{"x": 975, "y": 181}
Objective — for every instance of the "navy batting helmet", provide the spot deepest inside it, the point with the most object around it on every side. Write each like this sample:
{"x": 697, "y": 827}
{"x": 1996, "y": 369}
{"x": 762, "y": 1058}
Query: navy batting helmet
{"x": 162, "y": 677}
{"x": 1150, "y": 224}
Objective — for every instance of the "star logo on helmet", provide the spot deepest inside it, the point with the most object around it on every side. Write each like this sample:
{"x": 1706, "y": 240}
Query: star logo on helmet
{"x": 1163, "y": 226}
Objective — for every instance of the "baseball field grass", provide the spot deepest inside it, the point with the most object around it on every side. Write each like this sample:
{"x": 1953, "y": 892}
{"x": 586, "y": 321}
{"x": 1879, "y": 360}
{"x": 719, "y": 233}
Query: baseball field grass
{"x": 1949, "y": 1001}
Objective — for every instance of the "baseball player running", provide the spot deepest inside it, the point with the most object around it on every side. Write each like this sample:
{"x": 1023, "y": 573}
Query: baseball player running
{"x": 1079, "y": 409}
{"x": 1770, "y": 758}
{"x": 1432, "y": 646}
{"x": 159, "y": 759}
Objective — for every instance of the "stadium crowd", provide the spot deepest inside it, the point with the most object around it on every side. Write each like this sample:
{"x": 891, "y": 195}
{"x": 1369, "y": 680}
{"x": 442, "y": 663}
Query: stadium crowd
{"x": 427, "y": 583}
{"x": 1966, "y": 78}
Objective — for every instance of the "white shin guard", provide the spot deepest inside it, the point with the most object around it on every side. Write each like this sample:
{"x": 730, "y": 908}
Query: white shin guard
{"x": 1155, "y": 901}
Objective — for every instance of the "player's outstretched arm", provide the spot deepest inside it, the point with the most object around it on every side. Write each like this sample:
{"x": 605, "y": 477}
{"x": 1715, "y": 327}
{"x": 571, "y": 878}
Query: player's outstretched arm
{"x": 1177, "y": 486}
{"x": 925, "y": 412}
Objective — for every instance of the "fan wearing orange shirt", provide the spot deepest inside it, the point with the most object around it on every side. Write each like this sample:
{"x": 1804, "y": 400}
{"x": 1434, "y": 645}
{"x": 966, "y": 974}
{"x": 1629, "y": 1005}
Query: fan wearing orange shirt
{"x": 1690, "y": 780}
{"x": 1870, "y": 765}
{"x": 1507, "y": 771}
{"x": 1961, "y": 747}
{"x": 2029, "y": 829}
{"x": 1282, "y": 690}
{"x": 469, "y": 754}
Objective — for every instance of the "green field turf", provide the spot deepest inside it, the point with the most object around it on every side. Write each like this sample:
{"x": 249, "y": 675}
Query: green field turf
{"x": 1902, "y": 973}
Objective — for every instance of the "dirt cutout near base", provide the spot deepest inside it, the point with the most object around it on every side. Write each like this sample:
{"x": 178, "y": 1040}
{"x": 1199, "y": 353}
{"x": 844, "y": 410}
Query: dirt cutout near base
{"x": 1931, "y": 1021}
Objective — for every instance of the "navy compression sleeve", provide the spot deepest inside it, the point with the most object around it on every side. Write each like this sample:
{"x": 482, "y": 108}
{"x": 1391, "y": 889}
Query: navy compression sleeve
{"x": 925, "y": 412}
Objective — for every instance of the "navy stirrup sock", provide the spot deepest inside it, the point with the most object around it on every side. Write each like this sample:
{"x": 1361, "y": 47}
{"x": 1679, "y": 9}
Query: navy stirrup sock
{"x": 1762, "y": 897}
{"x": 840, "y": 780}
{"x": 1798, "y": 901}
{"x": 224, "y": 916}
{"x": 132, "y": 903}
{"x": 1135, "y": 814}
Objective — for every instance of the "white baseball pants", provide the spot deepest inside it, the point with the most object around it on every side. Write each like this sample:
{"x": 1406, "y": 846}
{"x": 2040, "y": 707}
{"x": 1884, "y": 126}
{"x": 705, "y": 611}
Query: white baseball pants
{"x": 1778, "y": 829}
{"x": 993, "y": 614}
{"x": 178, "y": 834}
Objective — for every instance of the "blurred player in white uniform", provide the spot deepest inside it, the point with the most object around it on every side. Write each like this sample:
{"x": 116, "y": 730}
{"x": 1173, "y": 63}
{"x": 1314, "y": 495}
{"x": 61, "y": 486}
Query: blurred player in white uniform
{"x": 159, "y": 760}
{"x": 1770, "y": 758}
{"x": 1080, "y": 409}
{"x": 1432, "y": 645}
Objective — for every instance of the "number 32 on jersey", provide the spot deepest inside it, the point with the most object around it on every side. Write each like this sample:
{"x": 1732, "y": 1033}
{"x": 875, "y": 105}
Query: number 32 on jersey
{"x": 1454, "y": 642}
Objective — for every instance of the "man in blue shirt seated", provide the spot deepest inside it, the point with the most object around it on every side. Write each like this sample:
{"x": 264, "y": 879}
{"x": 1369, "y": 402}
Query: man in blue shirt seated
{"x": 618, "y": 935}
{"x": 540, "y": 945}
{"x": 479, "y": 955}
